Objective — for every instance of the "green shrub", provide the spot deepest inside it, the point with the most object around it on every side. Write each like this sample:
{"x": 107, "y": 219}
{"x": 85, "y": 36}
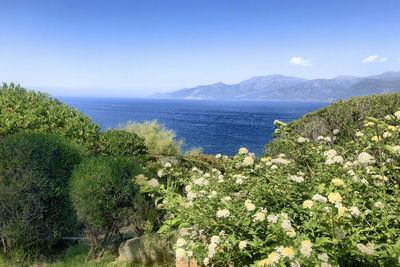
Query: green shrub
{"x": 121, "y": 143}
{"x": 34, "y": 200}
{"x": 344, "y": 115}
{"x": 157, "y": 138}
{"x": 102, "y": 194}
{"x": 22, "y": 110}
{"x": 194, "y": 151}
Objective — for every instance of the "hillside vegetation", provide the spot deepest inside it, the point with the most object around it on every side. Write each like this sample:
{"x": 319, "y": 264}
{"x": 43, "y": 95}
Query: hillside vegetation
{"x": 323, "y": 203}
{"x": 345, "y": 115}
{"x": 326, "y": 193}
{"x": 22, "y": 110}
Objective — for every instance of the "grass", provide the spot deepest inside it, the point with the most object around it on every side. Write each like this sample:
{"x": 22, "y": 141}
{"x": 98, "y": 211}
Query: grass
{"x": 73, "y": 256}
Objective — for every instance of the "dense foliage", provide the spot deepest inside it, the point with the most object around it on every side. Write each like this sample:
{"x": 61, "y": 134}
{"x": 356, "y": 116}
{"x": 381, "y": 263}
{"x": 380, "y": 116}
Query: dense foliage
{"x": 325, "y": 193}
{"x": 346, "y": 115}
{"x": 103, "y": 194}
{"x": 34, "y": 201}
{"x": 22, "y": 110}
{"x": 326, "y": 203}
{"x": 158, "y": 139}
{"x": 121, "y": 143}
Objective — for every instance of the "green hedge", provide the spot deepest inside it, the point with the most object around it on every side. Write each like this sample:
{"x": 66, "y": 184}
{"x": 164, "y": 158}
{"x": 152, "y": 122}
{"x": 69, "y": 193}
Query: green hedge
{"x": 34, "y": 200}
{"x": 22, "y": 110}
{"x": 121, "y": 143}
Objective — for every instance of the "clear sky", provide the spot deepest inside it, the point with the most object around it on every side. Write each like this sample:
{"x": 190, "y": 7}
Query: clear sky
{"x": 137, "y": 48}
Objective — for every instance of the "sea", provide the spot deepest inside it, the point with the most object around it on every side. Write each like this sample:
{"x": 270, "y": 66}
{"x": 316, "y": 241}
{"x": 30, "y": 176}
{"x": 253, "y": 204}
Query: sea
{"x": 217, "y": 126}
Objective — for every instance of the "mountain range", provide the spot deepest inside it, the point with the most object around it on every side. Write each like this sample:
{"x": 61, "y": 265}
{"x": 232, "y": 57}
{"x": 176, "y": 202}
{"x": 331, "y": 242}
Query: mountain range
{"x": 280, "y": 87}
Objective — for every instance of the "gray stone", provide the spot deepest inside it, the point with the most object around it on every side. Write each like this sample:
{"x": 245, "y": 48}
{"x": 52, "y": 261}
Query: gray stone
{"x": 134, "y": 251}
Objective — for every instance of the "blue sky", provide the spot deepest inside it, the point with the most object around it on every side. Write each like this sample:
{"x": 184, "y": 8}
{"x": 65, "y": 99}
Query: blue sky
{"x": 137, "y": 48}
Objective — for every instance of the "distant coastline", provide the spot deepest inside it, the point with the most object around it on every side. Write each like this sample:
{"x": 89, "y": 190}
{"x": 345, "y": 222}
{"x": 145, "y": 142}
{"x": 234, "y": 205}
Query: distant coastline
{"x": 287, "y": 88}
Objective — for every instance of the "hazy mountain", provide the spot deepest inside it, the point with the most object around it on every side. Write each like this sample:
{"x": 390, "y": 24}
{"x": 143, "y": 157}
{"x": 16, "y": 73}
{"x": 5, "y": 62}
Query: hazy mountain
{"x": 370, "y": 86}
{"x": 387, "y": 76}
{"x": 315, "y": 90}
{"x": 279, "y": 87}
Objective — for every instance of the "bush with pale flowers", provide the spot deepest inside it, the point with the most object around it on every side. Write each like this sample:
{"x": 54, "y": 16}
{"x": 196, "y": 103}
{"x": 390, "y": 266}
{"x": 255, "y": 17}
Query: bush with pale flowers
{"x": 325, "y": 203}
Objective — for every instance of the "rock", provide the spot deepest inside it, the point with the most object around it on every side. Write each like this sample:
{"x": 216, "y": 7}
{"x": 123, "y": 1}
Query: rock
{"x": 186, "y": 263}
{"x": 148, "y": 249}
{"x": 133, "y": 250}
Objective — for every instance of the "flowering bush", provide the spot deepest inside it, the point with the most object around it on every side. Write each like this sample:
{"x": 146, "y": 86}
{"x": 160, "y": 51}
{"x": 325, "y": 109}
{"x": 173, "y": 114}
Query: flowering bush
{"x": 323, "y": 204}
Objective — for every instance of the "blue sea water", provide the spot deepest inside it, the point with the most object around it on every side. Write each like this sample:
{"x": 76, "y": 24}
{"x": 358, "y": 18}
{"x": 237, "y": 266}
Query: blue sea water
{"x": 216, "y": 126}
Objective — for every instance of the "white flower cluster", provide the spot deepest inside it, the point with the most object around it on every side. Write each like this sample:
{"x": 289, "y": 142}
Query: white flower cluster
{"x": 201, "y": 181}
{"x": 324, "y": 139}
{"x": 365, "y": 158}
{"x": 191, "y": 196}
{"x": 351, "y": 172}
{"x": 212, "y": 246}
{"x": 180, "y": 253}
{"x": 286, "y": 225}
{"x": 242, "y": 245}
{"x": 272, "y": 218}
{"x": 249, "y": 205}
{"x": 286, "y": 252}
{"x": 379, "y": 205}
{"x": 248, "y": 161}
{"x": 330, "y": 153}
{"x": 306, "y": 248}
{"x": 386, "y": 135}
{"x": 184, "y": 231}
{"x": 243, "y": 151}
{"x": 369, "y": 250}
{"x": 323, "y": 257}
{"x": 332, "y": 157}
{"x": 359, "y": 134}
{"x": 319, "y": 198}
{"x": 348, "y": 164}
{"x": 295, "y": 178}
{"x": 273, "y": 258}
{"x": 212, "y": 195}
{"x": 259, "y": 216}
{"x": 354, "y": 211}
{"x": 167, "y": 165}
{"x": 227, "y": 198}
{"x": 302, "y": 140}
{"x": 223, "y": 213}
{"x": 181, "y": 242}
{"x": 153, "y": 183}
{"x": 280, "y": 160}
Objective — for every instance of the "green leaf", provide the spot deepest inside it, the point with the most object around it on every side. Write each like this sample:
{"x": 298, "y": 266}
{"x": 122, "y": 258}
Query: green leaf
{"x": 164, "y": 228}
